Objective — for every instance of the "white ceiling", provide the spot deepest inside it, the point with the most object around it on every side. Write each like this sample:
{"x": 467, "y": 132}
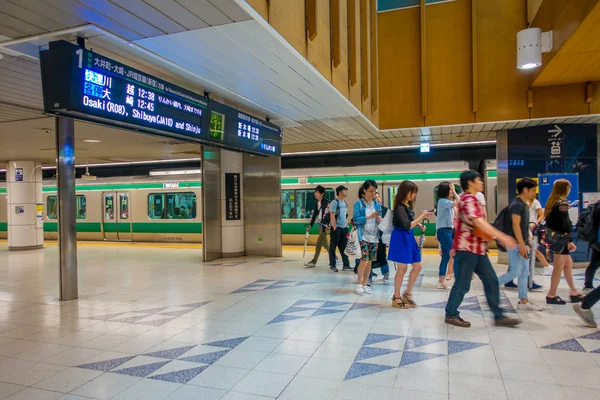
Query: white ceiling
{"x": 218, "y": 46}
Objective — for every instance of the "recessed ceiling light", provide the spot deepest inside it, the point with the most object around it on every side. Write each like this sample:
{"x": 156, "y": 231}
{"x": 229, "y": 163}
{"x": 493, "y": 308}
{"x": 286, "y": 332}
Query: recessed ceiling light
{"x": 91, "y": 141}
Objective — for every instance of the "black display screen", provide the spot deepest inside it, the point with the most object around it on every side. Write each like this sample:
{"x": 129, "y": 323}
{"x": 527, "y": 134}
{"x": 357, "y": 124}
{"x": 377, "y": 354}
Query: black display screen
{"x": 107, "y": 91}
{"x": 81, "y": 84}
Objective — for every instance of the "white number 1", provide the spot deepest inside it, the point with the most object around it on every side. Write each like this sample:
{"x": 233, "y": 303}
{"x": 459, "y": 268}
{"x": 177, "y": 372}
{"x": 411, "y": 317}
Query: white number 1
{"x": 80, "y": 54}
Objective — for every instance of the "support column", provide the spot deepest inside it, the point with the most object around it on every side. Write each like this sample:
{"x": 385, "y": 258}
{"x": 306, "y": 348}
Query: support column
{"x": 232, "y": 203}
{"x": 502, "y": 180}
{"x": 211, "y": 204}
{"x": 67, "y": 214}
{"x": 25, "y": 205}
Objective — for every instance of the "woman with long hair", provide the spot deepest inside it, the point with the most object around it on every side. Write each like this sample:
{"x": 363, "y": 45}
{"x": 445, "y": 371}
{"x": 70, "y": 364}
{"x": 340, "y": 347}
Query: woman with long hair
{"x": 403, "y": 246}
{"x": 559, "y": 238}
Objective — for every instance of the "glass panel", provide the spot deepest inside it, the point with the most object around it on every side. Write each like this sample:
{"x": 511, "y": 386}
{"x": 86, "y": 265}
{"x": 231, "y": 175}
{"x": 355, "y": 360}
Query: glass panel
{"x": 109, "y": 209}
{"x": 124, "y": 203}
{"x": 181, "y": 205}
{"x": 81, "y": 206}
{"x": 156, "y": 206}
{"x": 329, "y": 194}
{"x": 51, "y": 207}
{"x": 287, "y": 204}
{"x": 305, "y": 203}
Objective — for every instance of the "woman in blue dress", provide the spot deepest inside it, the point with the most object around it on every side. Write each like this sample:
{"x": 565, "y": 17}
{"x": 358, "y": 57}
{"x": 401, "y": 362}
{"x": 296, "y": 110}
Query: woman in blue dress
{"x": 403, "y": 246}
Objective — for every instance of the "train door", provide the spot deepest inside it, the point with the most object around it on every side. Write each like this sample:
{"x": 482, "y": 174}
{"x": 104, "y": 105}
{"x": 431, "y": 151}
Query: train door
{"x": 116, "y": 216}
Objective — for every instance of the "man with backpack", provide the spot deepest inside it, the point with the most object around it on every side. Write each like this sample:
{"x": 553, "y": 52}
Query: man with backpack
{"x": 338, "y": 216}
{"x": 317, "y": 216}
{"x": 515, "y": 221}
{"x": 587, "y": 230}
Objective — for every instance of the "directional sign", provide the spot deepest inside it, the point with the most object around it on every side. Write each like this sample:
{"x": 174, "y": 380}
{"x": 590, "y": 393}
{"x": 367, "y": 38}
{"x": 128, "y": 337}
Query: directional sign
{"x": 555, "y": 139}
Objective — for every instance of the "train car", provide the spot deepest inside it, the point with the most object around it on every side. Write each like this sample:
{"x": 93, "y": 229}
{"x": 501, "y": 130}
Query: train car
{"x": 149, "y": 209}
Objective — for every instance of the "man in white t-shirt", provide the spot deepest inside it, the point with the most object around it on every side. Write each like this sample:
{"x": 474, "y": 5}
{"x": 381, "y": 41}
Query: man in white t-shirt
{"x": 481, "y": 199}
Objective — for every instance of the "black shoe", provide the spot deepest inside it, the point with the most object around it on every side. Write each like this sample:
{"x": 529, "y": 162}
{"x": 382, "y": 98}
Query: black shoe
{"x": 374, "y": 274}
{"x": 511, "y": 285}
{"x": 333, "y": 269}
{"x": 347, "y": 268}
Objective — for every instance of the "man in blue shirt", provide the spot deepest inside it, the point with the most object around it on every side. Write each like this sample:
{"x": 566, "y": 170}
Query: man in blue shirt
{"x": 339, "y": 228}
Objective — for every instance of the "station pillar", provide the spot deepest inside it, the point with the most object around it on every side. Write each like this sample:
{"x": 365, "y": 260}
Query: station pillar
{"x": 25, "y": 205}
{"x": 232, "y": 203}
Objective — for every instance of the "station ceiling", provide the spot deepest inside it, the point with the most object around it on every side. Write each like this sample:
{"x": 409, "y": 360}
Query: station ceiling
{"x": 203, "y": 45}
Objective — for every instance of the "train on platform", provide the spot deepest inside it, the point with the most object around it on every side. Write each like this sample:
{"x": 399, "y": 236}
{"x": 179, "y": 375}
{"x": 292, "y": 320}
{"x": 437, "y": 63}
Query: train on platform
{"x": 169, "y": 209}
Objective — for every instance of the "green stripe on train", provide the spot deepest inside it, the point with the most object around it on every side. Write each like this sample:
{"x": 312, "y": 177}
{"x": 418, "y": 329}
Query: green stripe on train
{"x": 299, "y": 228}
{"x": 2, "y": 190}
{"x": 385, "y": 177}
{"x": 126, "y": 186}
{"x": 137, "y": 227}
{"x": 3, "y": 226}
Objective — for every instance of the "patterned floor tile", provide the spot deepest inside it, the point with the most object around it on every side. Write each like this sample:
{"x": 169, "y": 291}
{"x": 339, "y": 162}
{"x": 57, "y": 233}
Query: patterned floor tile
{"x": 142, "y": 371}
{"x": 567, "y": 345}
{"x": 374, "y": 338}
{"x": 171, "y": 354}
{"x": 329, "y": 304}
{"x": 412, "y": 357}
{"x": 360, "y": 306}
{"x": 106, "y": 365}
{"x": 207, "y": 358}
{"x": 458, "y": 346}
{"x": 180, "y": 376}
{"x": 296, "y": 309}
{"x": 361, "y": 369}
{"x": 229, "y": 343}
{"x": 284, "y": 318}
{"x": 593, "y": 336}
{"x": 414, "y": 342}
{"x": 370, "y": 352}
{"x": 326, "y": 311}
{"x": 305, "y": 302}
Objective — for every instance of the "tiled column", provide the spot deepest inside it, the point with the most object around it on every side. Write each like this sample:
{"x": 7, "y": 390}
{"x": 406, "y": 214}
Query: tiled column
{"x": 24, "y": 205}
{"x": 232, "y": 230}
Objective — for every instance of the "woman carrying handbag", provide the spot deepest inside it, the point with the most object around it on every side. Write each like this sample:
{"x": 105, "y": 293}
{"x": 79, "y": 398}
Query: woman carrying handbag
{"x": 558, "y": 239}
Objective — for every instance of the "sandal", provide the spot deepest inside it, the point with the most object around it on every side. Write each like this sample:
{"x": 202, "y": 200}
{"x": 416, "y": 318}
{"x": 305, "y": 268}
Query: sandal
{"x": 400, "y": 304}
{"x": 576, "y": 299}
{"x": 555, "y": 300}
{"x": 407, "y": 298}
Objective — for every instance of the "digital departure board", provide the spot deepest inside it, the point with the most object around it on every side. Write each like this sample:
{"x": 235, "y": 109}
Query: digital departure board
{"x": 81, "y": 84}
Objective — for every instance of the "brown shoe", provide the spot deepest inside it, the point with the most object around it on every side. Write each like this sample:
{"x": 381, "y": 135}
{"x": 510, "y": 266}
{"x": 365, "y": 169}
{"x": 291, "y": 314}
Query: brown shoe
{"x": 458, "y": 321}
{"x": 505, "y": 321}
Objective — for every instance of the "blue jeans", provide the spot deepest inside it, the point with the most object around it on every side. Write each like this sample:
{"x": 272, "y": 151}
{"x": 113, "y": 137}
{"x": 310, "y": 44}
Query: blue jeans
{"x": 444, "y": 236}
{"x": 518, "y": 267}
{"x": 466, "y": 264}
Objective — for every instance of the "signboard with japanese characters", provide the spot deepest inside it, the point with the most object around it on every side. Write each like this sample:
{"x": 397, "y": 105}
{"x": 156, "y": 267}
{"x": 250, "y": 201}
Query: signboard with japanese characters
{"x": 232, "y": 197}
{"x": 555, "y": 140}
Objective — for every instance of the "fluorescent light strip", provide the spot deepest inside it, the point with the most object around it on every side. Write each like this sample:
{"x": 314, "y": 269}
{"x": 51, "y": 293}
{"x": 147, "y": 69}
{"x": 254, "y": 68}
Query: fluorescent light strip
{"x": 122, "y": 163}
{"x": 417, "y": 146}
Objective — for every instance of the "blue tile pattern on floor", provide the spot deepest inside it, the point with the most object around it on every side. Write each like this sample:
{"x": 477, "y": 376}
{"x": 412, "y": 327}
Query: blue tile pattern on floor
{"x": 229, "y": 343}
{"x": 412, "y": 357}
{"x": 171, "y": 353}
{"x": 593, "y": 336}
{"x": 326, "y": 311}
{"x": 180, "y": 376}
{"x": 361, "y": 369}
{"x": 297, "y": 309}
{"x": 458, "y": 346}
{"x": 142, "y": 371}
{"x": 414, "y": 342}
{"x": 567, "y": 345}
{"x": 329, "y": 304}
{"x": 264, "y": 284}
{"x": 208, "y": 358}
{"x": 107, "y": 365}
{"x": 374, "y": 338}
{"x": 284, "y": 318}
{"x": 305, "y": 302}
{"x": 596, "y": 351}
{"x": 370, "y": 352}
{"x": 140, "y": 320}
{"x": 360, "y": 306}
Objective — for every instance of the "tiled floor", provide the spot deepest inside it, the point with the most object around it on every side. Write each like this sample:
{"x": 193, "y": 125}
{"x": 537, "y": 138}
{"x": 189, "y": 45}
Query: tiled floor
{"x": 159, "y": 324}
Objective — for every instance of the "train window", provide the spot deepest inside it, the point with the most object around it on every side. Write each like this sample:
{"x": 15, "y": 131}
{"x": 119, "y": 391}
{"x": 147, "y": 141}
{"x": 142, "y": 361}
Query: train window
{"x": 52, "y": 207}
{"x": 172, "y": 206}
{"x": 124, "y": 203}
{"x": 299, "y": 203}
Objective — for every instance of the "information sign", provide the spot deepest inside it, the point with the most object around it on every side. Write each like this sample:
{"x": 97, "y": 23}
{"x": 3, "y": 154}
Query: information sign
{"x": 232, "y": 197}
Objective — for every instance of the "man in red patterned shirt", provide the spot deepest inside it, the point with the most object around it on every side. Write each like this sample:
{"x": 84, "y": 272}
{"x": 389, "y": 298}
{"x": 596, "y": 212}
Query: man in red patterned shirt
{"x": 471, "y": 254}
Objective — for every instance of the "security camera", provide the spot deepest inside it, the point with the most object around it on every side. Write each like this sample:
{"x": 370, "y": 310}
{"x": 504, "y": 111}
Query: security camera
{"x": 531, "y": 43}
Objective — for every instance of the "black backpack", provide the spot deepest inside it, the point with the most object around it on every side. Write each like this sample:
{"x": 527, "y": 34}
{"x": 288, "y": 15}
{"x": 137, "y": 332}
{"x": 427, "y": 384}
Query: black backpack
{"x": 500, "y": 223}
{"x": 326, "y": 220}
{"x": 587, "y": 228}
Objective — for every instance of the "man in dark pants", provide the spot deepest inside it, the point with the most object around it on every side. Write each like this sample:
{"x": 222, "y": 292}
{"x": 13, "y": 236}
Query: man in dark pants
{"x": 471, "y": 255}
{"x": 339, "y": 228}
{"x": 584, "y": 309}
{"x": 317, "y": 216}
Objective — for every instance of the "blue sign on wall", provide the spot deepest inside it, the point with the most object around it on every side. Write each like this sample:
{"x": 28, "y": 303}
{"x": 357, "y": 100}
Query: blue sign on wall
{"x": 546, "y": 182}
{"x": 18, "y": 174}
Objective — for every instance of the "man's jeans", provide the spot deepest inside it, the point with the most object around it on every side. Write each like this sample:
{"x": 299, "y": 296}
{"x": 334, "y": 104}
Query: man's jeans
{"x": 466, "y": 264}
{"x": 518, "y": 267}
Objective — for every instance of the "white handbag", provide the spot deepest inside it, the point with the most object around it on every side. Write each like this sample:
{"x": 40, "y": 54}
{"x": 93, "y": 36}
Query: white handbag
{"x": 385, "y": 226}
{"x": 353, "y": 246}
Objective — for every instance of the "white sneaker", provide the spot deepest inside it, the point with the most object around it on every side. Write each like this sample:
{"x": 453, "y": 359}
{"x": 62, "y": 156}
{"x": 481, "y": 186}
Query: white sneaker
{"x": 548, "y": 270}
{"x": 586, "y": 315}
{"x": 359, "y": 290}
{"x": 443, "y": 286}
{"x": 586, "y": 290}
{"x": 529, "y": 306}
{"x": 310, "y": 264}
{"x": 367, "y": 290}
